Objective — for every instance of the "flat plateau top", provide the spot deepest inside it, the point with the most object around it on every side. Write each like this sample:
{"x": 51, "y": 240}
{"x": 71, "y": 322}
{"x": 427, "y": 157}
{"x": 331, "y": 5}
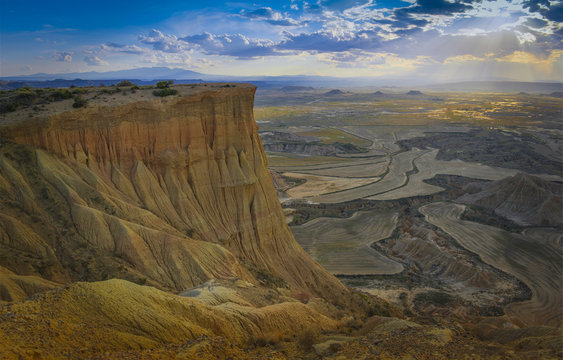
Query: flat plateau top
{"x": 43, "y": 105}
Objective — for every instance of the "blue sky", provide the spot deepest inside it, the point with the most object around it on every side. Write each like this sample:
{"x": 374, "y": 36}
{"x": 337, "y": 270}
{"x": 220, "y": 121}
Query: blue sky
{"x": 439, "y": 40}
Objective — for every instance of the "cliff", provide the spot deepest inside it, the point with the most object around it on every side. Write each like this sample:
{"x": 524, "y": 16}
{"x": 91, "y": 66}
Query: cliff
{"x": 169, "y": 192}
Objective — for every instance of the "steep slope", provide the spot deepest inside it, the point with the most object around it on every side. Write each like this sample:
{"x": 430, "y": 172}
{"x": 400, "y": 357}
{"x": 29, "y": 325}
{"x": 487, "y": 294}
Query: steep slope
{"x": 522, "y": 198}
{"x": 118, "y": 315}
{"x": 170, "y": 192}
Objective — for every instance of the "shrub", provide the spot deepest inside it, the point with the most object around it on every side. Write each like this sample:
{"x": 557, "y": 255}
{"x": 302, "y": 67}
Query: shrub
{"x": 306, "y": 339}
{"x": 165, "y": 92}
{"x": 164, "y": 84}
{"x": 11, "y": 107}
{"x": 61, "y": 94}
{"x": 25, "y": 95}
{"x": 79, "y": 102}
{"x": 125, "y": 83}
{"x": 433, "y": 297}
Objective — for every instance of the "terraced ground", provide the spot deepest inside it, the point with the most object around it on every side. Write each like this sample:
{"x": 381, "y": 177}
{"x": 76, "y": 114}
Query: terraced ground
{"x": 428, "y": 167}
{"x": 407, "y": 142}
{"x": 395, "y": 178}
{"x": 535, "y": 259}
{"x": 343, "y": 246}
{"x": 343, "y": 167}
{"x": 349, "y": 169}
{"x": 287, "y": 159}
{"x": 317, "y": 185}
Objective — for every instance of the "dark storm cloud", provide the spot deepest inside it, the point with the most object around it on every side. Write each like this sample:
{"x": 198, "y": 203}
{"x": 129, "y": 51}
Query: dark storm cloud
{"x": 534, "y": 5}
{"x": 554, "y": 12}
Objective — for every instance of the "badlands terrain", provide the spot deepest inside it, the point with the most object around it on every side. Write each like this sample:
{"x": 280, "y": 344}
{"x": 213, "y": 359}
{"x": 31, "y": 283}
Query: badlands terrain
{"x": 441, "y": 203}
{"x": 135, "y": 225}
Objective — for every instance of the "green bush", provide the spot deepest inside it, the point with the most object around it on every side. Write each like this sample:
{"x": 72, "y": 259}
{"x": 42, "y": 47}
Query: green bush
{"x": 165, "y": 92}
{"x": 11, "y": 107}
{"x": 125, "y": 83}
{"x": 79, "y": 102}
{"x": 164, "y": 84}
{"x": 61, "y": 94}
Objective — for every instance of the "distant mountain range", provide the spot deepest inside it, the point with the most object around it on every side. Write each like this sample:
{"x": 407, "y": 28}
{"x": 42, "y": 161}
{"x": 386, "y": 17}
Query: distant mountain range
{"x": 153, "y": 73}
{"x": 143, "y": 76}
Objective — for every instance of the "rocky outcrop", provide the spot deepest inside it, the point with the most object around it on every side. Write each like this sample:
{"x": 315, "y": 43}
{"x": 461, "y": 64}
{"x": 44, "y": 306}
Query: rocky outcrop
{"x": 170, "y": 192}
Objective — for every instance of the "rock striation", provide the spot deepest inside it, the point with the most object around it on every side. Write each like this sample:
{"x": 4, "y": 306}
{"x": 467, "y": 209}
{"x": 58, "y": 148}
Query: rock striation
{"x": 169, "y": 192}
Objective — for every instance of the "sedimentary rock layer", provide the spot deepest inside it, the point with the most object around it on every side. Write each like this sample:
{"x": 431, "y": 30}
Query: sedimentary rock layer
{"x": 171, "y": 192}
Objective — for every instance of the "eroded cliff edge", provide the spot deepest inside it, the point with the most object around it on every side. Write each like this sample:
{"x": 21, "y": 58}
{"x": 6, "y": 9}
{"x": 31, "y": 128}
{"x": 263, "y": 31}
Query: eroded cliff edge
{"x": 169, "y": 192}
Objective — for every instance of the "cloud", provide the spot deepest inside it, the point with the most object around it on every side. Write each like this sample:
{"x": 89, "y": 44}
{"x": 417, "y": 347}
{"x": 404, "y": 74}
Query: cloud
{"x": 436, "y": 7}
{"x": 535, "y": 23}
{"x": 553, "y": 12}
{"x": 235, "y": 45}
{"x": 529, "y": 58}
{"x": 159, "y": 41}
{"x": 354, "y": 59}
{"x": 126, "y": 49}
{"x": 363, "y": 35}
{"x": 341, "y": 5}
{"x": 271, "y": 16}
{"x": 535, "y": 5}
{"x": 93, "y": 60}
{"x": 63, "y": 56}
{"x": 330, "y": 41}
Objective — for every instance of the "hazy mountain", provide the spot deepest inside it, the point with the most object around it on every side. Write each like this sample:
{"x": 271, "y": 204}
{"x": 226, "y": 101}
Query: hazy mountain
{"x": 278, "y": 82}
{"x": 334, "y": 92}
{"x": 139, "y": 73}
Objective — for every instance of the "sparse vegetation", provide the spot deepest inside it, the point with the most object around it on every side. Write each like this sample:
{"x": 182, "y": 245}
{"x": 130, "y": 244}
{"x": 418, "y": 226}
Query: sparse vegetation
{"x": 165, "y": 89}
{"x": 125, "y": 83}
{"x": 433, "y": 297}
{"x": 79, "y": 102}
{"x": 164, "y": 84}
{"x": 307, "y": 338}
{"x": 165, "y": 92}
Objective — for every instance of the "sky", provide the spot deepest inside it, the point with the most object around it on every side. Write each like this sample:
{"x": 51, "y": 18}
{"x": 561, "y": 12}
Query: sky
{"x": 433, "y": 40}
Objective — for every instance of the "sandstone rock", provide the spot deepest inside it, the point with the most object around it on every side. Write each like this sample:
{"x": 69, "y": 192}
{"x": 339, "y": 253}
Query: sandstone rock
{"x": 174, "y": 190}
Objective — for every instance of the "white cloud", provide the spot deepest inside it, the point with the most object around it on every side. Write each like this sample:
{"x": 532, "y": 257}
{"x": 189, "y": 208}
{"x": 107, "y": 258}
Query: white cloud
{"x": 63, "y": 56}
{"x": 93, "y": 60}
{"x": 162, "y": 42}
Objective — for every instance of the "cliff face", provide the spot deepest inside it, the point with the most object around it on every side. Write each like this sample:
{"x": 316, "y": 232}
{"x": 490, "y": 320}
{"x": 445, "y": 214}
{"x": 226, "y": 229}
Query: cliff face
{"x": 171, "y": 192}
